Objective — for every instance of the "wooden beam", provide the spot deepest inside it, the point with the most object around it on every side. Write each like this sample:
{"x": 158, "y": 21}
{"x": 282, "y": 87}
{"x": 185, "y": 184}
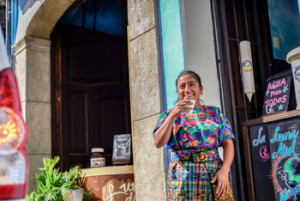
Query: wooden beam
{"x": 272, "y": 117}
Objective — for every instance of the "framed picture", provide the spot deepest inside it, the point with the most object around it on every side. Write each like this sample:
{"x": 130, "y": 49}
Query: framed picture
{"x": 121, "y": 149}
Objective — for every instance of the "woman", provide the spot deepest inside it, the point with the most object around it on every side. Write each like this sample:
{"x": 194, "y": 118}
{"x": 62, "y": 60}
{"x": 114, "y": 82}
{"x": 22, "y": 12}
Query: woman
{"x": 194, "y": 138}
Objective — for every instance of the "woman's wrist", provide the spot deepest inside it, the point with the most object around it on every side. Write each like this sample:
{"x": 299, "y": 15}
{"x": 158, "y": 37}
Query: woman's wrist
{"x": 173, "y": 115}
{"x": 225, "y": 169}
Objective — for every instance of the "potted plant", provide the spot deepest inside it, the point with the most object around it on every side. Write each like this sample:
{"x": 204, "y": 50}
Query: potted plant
{"x": 54, "y": 185}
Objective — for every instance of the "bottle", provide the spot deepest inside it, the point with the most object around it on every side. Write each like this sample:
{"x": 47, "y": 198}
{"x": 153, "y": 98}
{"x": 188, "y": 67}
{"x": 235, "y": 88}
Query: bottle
{"x": 97, "y": 157}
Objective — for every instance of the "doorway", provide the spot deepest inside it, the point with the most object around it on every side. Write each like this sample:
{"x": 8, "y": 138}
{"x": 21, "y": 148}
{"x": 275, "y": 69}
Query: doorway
{"x": 90, "y": 93}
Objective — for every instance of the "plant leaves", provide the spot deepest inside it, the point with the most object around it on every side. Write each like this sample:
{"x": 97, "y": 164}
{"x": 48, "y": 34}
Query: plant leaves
{"x": 51, "y": 181}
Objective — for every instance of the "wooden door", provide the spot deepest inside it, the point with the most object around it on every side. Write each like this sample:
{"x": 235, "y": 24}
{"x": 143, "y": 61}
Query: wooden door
{"x": 90, "y": 93}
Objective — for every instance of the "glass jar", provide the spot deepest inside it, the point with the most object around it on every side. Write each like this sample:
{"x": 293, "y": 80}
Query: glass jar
{"x": 97, "y": 157}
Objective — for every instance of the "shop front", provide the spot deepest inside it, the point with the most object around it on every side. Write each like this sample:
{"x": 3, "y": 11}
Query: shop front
{"x": 242, "y": 51}
{"x": 80, "y": 85}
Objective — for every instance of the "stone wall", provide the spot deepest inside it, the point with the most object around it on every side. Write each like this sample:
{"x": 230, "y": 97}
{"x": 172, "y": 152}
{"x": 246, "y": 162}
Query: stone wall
{"x": 33, "y": 75}
{"x": 146, "y": 99}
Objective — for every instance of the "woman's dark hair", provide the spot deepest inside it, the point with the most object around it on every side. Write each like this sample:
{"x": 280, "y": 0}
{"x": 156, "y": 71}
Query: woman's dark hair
{"x": 192, "y": 73}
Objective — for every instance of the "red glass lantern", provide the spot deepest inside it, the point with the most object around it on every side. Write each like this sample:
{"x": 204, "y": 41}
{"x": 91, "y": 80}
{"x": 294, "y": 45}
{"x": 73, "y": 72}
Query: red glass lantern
{"x": 13, "y": 134}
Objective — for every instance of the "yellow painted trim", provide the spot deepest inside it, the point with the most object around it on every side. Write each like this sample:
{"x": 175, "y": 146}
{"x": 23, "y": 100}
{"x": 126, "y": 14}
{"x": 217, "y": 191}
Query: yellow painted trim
{"x": 109, "y": 170}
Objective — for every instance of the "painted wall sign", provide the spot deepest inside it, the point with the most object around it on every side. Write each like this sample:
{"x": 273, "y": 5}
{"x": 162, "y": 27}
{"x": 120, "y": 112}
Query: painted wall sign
{"x": 275, "y": 155}
{"x": 277, "y": 95}
{"x": 118, "y": 190}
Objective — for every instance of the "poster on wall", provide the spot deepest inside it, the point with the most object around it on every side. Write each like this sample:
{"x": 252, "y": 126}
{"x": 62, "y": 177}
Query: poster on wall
{"x": 277, "y": 94}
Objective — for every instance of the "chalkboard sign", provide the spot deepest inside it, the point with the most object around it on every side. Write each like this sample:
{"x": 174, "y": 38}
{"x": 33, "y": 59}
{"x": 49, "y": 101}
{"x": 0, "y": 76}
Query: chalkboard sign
{"x": 284, "y": 150}
{"x": 275, "y": 155}
{"x": 261, "y": 163}
{"x": 121, "y": 149}
{"x": 277, "y": 93}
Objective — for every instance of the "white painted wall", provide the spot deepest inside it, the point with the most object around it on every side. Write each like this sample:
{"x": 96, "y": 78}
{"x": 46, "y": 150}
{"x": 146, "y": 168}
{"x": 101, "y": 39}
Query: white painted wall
{"x": 25, "y": 19}
{"x": 199, "y": 49}
{"x": 3, "y": 53}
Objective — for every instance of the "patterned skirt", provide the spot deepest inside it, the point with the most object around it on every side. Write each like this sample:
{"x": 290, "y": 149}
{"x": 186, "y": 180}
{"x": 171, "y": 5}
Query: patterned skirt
{"x": 190, "y": 181}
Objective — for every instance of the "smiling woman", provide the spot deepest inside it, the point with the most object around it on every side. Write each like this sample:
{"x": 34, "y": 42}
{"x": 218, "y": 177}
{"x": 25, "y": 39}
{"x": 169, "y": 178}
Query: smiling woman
{"x": 194, "y": 138}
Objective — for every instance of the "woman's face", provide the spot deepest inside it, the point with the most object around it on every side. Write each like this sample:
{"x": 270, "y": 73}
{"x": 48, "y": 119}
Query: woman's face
{"x": 187, "y": 85}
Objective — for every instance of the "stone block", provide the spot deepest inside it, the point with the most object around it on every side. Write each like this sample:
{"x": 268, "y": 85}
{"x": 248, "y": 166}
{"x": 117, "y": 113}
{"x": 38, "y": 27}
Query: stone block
{"x": 149, "y": 178}
{"x": 34, "y": 162}
{"x": 33, "y": 69}
{"x": 141, "y": 16}
{"x": 38, "y": 119}
{"x": 23, "y": 108}
{"x": 20, "y": 72}
{"x": 38, "y": 82}
{"x": 145, "y": 76}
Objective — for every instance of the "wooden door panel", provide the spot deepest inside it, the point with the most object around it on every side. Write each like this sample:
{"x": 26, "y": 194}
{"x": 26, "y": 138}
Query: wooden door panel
{"x": 102, "y": 64}
{"x": 91, "y": 78}
{"x": 77, "y": 123}
{"x": 112, "y": 114}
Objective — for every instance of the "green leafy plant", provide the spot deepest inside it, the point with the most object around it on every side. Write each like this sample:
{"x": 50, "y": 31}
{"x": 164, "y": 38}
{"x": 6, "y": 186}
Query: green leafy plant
{"x": 51, "y": 182}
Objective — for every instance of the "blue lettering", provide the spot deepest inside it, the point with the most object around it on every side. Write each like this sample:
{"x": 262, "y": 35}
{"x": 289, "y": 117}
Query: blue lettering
{"x": 293, "y": 146}
{"x": 274, "y": 139}
{"x": 283, "y": 136}
{"x": 259, "y": 139}
{"x": 284, "y": 150}
{"x": 285, "y": 195}
{"x": 290, "y": 193}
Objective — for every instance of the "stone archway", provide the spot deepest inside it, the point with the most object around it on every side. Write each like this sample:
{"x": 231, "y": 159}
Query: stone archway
{"x": 40, "y": 19}
{"x": 33, "y": 72}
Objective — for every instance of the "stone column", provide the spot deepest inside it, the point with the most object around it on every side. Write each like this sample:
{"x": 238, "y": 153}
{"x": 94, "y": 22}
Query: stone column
{"x": 146, "y": 100}
{"x": 33, "y": 76}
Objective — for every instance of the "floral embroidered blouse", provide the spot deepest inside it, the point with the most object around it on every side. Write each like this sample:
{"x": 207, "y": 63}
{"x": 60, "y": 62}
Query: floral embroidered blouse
{"x": 203, "y": 128}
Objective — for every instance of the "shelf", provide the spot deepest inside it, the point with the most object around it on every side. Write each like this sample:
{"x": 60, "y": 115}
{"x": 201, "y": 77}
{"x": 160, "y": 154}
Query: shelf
{"x": 108, "y": 170}
{"x": 272, "y": 117}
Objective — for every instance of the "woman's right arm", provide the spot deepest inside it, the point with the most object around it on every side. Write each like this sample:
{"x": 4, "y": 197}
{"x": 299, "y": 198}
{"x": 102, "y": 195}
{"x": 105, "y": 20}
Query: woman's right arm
{"x": 163, "y": 133}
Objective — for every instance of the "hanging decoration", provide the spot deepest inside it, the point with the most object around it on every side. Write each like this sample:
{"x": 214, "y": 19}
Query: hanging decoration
{"x": 247, "y": 69}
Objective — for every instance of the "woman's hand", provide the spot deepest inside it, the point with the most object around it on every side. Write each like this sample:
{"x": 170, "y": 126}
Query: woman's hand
{"x": 181, "y": 106}
{"x": 223, "y": 183}
{"x": 222, "y": 175}
{"x": 162, "y": 135}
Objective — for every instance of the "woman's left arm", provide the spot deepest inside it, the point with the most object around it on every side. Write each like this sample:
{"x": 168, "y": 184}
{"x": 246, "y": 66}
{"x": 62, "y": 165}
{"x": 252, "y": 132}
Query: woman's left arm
{"x": 222, "y": 174}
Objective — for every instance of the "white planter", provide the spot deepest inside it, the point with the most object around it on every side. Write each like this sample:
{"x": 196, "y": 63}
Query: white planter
{"x": 293, "y": 58}
{"x": 72, "y": 195}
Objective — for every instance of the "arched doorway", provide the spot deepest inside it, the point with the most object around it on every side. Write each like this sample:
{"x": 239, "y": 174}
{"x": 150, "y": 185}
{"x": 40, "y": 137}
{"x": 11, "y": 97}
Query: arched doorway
{"x": 33, "y": 71}
{"x": 90, "y": 94}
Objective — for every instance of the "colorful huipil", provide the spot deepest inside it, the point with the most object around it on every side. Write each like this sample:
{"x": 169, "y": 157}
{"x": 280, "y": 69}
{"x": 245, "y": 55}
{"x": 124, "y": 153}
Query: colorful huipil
{"x": 194, "y": 141}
